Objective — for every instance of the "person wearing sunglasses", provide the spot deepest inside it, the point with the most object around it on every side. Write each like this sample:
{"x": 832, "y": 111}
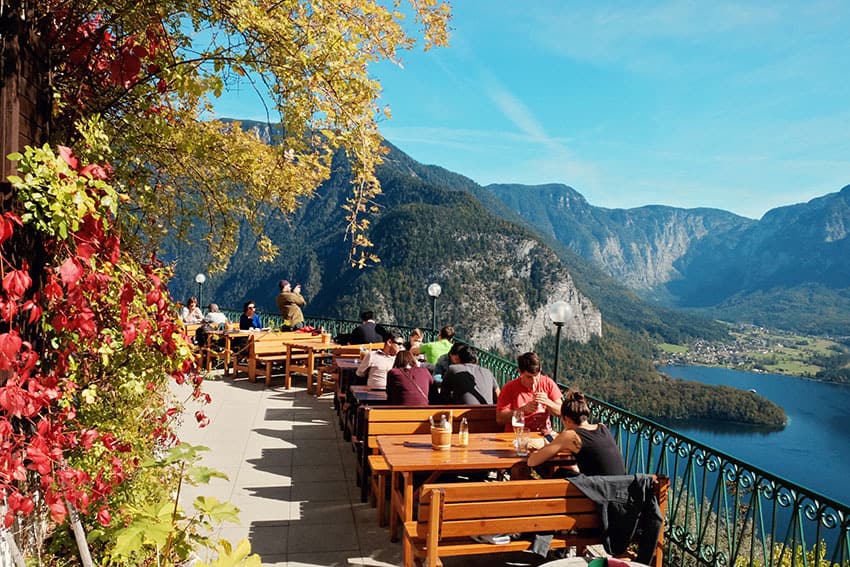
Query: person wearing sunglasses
{"x": 250, "y": 319}
{"x": 377, "y": 363}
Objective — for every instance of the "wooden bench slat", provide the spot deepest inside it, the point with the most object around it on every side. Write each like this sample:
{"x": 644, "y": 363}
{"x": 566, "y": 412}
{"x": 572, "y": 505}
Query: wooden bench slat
{"x": 518, "y": 507}
{"x": 515, "y": 489}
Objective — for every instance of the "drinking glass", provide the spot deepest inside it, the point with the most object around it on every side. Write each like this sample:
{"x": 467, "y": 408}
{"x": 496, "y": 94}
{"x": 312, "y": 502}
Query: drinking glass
{"x": 518, "y": 421}
{"x": 522, "y": 440}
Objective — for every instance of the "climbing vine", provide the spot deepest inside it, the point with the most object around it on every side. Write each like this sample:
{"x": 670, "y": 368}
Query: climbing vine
{"x": 88, "y": 345}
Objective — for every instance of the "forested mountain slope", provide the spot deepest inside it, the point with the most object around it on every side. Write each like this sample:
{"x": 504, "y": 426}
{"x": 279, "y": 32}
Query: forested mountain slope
{"x": 497, "y": 279}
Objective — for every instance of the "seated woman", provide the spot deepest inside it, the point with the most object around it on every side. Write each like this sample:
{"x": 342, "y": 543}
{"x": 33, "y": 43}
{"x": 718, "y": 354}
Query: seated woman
{"x": 595, "y": 449}
{"x": 407, "y": 383}
{"x": 191, "y": 313}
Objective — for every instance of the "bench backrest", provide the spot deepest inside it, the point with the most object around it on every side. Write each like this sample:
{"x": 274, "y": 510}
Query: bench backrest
{"x": 521, "y": 506}
{"x": 272, "y": 342}
{"x": 413, "y": 420}
{"x": 353, "y": 351}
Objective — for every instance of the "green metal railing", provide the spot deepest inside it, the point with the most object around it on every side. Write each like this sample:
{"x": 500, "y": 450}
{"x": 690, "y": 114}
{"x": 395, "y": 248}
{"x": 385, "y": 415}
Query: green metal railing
{"x": 721, "y": 511}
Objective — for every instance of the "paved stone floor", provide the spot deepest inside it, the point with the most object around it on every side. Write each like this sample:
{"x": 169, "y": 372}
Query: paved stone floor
{"x": 293, "y": 478}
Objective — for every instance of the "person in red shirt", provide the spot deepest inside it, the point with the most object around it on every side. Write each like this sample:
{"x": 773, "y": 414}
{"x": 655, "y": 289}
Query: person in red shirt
{"x": 538, "y": 396}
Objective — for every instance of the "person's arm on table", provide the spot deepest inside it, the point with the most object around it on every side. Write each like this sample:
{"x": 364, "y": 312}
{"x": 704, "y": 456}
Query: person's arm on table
{"x": 565, "y": 441}
{"x": 363, "y": 368}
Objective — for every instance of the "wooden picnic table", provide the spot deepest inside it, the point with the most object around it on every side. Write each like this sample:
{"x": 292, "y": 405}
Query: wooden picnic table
{"x": 228, "y": 336}
{"x": 301, "y": 356}
{"x": 412, "y": 454}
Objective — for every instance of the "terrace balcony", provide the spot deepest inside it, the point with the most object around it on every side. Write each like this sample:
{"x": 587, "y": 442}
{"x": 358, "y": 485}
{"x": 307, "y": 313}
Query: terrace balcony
{"x": 293, "y": 476}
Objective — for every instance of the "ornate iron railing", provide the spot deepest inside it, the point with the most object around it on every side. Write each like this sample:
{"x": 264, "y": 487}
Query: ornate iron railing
{"x": 335, "y": 327}
{"x": 721, "y": 511}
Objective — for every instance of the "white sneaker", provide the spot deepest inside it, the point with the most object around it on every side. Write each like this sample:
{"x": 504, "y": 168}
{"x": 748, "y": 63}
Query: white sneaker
{"x": 495, "y": 539}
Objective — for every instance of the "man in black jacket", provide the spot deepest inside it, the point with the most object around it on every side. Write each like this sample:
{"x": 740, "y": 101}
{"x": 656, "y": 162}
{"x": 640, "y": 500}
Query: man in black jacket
{"x": 368, "y": 331}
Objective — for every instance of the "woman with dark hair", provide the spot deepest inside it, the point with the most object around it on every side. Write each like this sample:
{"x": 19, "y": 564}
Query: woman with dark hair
{"x": 595, "y": 449}
{"x": 407, "y": 383}
{"x": 191, "y": 314}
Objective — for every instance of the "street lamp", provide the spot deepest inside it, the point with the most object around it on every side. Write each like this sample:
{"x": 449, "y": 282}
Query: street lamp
{"x": 559, "y": 312}
{"x": 200, "y": 279}
{"x": 434, "y": 290}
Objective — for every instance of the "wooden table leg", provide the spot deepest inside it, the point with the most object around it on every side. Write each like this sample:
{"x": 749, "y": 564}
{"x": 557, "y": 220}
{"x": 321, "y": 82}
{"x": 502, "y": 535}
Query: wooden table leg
{"x": 309, "y": 370}
{"x": 226, "y": 356}
{"x": 404, "y": 509}
{"x": 288, "y": 367}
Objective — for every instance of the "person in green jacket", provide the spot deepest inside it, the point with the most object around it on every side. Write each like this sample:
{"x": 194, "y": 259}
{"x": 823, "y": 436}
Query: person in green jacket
{"x": 438, "y": 348}
{"x": 289, "y": 302}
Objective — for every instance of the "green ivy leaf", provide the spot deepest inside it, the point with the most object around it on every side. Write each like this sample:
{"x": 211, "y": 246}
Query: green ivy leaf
{"x": 202, "y": 475}
{"x": 217, "y": 510}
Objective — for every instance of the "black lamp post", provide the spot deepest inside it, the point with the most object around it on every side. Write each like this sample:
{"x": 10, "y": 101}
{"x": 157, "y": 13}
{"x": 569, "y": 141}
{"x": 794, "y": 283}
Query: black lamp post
{"x": 200, "y": 279}
{"x": 559, "y": 312}
{"x": 434, "y": 290}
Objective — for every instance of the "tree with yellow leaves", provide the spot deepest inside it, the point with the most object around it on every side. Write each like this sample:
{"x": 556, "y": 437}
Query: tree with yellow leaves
{"x": 148, "y": 71}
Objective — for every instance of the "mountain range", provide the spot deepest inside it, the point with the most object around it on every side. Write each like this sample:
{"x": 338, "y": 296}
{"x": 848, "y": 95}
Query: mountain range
{"x": 790, "y": 270}
{"x": 498, "y": 275}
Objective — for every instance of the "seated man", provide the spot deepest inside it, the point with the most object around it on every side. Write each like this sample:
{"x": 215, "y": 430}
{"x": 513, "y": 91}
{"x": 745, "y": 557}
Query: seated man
{"x": 536, "y": 395}
{"x": 368, "y": 331}
{"x": 445, "y": 361}
{"x": 377, "y": 363}
{"x": 465, "y": 382}
{"x": 215, "y": 318}
{"x": 434, "y": 350}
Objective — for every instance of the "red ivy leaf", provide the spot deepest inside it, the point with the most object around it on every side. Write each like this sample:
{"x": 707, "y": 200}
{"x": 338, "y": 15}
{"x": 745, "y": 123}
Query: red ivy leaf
{"x": 16, "y": 283}
{"x": 103, "y": 516}
{"x": 8, "y": 309}
{"x": 94, "y": 171}
{"x": 130, "y": 334}
{"x": 57, "y": 509}
{"x": 67, "y": 154}
{"x": 10, "y": 346}
{"x": 71, "y": 271}
{"x": 53, "y": 291}
{"x": 34, "y": 309}
{"x": 7, "y": 226}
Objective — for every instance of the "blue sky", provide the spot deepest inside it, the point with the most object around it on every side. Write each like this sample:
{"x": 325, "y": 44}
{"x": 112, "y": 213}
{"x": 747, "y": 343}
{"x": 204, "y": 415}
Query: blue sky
{"x": 740, "y": 106}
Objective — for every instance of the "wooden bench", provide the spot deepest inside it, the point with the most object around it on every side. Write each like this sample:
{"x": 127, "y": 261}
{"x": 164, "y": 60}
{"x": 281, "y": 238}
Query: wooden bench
{"x": 405, "y": 420}
{"x": 265, "y": 348}
{"x": 450, "y": 514}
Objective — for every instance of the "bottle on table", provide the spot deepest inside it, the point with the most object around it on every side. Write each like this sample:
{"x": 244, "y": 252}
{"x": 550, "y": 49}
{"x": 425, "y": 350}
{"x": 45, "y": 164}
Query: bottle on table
{"x": 463, "y": 433}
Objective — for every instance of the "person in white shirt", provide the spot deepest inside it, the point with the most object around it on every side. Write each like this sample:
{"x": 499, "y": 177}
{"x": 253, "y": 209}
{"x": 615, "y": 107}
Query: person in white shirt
{"x": 377, "y": 363}
{"x": 215, "y": 317}
{"x": 192, "y": 314}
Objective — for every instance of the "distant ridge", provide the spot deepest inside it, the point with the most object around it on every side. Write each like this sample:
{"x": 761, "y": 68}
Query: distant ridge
{"x": 791, "y": 269}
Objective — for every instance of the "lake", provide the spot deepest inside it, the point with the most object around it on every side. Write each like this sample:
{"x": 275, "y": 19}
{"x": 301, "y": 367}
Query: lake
{"x": 811, "y": 451}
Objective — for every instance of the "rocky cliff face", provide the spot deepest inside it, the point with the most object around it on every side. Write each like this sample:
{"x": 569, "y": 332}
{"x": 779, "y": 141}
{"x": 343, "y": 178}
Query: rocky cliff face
{"x": 638, "y": 247}
{"x": 497, "y": 277}
{"x": 790, "y": 269}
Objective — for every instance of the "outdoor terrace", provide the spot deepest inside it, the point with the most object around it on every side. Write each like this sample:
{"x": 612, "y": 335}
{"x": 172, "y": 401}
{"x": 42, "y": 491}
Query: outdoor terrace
{"x": 293, "y": 477}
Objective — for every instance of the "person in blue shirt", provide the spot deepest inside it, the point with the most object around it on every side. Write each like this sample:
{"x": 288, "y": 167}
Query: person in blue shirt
{"x": 249, "y": 318}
